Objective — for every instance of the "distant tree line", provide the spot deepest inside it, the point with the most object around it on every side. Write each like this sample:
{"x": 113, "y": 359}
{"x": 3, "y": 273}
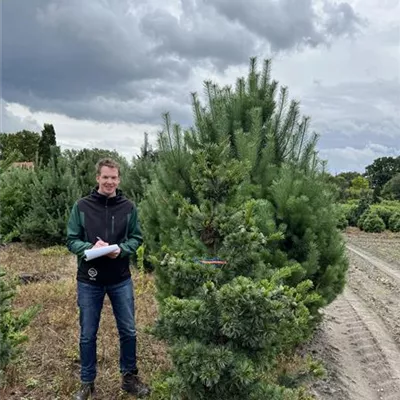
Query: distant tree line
{"x": 381, "y": 180}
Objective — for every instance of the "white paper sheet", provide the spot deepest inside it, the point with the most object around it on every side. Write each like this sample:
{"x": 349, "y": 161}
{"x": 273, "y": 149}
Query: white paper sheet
{"x": 100, "y": 251}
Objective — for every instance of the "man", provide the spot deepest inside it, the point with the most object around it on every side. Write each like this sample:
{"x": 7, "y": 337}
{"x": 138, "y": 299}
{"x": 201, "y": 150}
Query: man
{"x": 102, "y": 218}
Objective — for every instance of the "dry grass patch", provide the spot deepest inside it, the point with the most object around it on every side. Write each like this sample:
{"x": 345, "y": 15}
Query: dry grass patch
{"x": 49, "y": 366}
{"x": 49, "y": 264}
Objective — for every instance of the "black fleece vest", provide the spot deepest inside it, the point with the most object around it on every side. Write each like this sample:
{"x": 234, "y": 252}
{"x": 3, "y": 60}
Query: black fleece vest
{"x": 108, "y": 219}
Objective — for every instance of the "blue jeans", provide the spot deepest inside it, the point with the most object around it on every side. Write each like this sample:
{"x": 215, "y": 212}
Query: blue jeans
{"x": 90, "y": 302}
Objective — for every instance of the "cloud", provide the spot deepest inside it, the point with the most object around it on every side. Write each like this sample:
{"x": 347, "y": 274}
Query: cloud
{"x": 105, "y": 109}
{"x": 341, "y": 19}
{"x": 342, "y": 159}
{"x": 76, "y": 51}
{"x": 108, "y": 60}
{"x": 356, "y": 112}
{"x": 103, "y": 71}
{"x": 200, "y": 33}
{"x": 10, "y": 122}
{"x": 287, "y": 24}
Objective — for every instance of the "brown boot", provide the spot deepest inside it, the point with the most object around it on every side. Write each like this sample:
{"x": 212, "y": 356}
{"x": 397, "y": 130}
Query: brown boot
{"x": 132, "y": 384}
{"x": 86, "y": 392}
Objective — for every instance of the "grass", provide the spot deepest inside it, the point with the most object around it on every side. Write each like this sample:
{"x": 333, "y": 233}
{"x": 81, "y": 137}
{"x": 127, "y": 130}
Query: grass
{"x": 49, "y": 366}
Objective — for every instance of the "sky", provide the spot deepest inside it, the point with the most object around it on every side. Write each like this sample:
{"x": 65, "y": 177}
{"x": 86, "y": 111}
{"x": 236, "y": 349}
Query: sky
{"x": 104, "y": 71}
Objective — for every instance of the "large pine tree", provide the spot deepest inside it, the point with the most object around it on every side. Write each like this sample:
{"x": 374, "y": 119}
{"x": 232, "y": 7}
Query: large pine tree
{"x": 266, "y": 134}
{"x": 225, "y": 306}
{"x": 242, "y": 227}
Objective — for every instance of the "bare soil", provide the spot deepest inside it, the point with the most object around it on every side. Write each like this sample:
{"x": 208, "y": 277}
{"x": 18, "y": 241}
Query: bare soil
{"x": 359, "y": 340}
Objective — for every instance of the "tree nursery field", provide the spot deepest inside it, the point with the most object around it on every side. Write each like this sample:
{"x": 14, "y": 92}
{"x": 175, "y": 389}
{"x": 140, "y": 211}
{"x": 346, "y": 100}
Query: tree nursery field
{"x": 358, "y": 341}
{"x": 254, "y": 280}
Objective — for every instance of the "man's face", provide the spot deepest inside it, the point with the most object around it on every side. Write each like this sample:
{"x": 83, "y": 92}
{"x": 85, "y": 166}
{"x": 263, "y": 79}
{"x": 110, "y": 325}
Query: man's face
{"x": 108, "y": 181}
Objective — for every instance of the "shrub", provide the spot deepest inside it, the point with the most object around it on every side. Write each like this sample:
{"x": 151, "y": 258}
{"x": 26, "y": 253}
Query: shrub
{"x": 11, "y": 325}
{"x": 361, "y": 219}
{"x": 231, "y": 334}
{"x": 394, "y": 222}
{"x": 391, "y": 190}
{"x": 373, "y": 223}
{"x": 383, "y": 211}
{"x": 363, "y": 205}
{"x": 342, "y": 222}
{"x": 52, "y": 192}
{"x": 343, "y": 211}
{"x": 57, "y": 250}
{"x": 15, "y": 201}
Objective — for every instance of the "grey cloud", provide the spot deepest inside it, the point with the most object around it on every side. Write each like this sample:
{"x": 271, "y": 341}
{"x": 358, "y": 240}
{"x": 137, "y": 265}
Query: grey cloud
{"x": 355, "y": 113}
{"x": 113, "y": 109}
{"x": 342, "y": 19}
{"x": 356, "y": 132}
{"x": 74, "y": 57}
{"x": 73, "y": 50}
{"x": 287, "y": 24}
{"x": 199, "y": 34}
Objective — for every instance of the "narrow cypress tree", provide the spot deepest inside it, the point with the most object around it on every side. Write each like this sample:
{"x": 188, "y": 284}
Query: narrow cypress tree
{"x": 46, "y": 142}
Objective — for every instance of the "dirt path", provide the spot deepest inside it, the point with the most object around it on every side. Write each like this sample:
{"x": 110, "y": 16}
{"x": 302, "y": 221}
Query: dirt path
{"x": 359, "y": 340}
{"x": 376, "y": 262}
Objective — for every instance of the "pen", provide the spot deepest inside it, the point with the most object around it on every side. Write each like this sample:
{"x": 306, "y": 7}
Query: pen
{"x": 99, "y": 238}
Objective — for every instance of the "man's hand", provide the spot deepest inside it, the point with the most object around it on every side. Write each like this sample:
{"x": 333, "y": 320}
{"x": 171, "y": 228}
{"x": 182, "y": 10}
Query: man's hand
{"x": 115, "y": 253}
{"x": 100, "y": 243}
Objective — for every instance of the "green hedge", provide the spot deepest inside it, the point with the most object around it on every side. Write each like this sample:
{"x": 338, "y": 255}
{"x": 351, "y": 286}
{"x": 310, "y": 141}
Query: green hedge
{"x": 372, "y": 222}
{"x": 387, "y": 212}
{"x": 394, "y": 222}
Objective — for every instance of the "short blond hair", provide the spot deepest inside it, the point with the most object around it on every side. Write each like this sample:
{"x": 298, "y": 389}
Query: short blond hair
{"x": 107, "y": 162}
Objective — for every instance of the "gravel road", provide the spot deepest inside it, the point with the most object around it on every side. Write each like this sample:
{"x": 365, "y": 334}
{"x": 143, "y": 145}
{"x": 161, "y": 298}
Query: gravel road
{"x": 359, "y": 341}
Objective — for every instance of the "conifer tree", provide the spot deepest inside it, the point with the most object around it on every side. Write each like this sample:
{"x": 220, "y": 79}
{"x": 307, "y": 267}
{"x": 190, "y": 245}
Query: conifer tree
{"x": 52, "y": 193}
{"x": 46, "y": 142}
{"x": 83, "y": 166}
{"x": 138, "y": 176}
{"x": 272, "y": 140}
{"x": 24, "y": 143}
{"x": 15, "y": 200}
{"x": 225, "y": 308}
{"x": 239, "y": 212}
